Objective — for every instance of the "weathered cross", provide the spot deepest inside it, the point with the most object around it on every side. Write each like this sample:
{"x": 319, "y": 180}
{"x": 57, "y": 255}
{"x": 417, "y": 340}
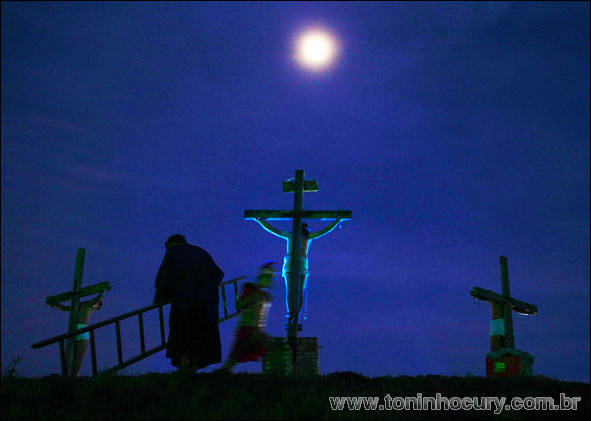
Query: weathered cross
{"x": 502, "y": 306}
{"x": 75, "y": 295}
{"x": 298, "y": 187}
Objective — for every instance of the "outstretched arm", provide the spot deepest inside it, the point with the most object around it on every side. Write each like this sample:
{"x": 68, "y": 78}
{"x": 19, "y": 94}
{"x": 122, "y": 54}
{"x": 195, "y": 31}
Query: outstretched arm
{"x": 96, "y": 299}
{"x": 62, "y": 307}
{"x": 272, "y": 229}
{"x": 324, "y": 230}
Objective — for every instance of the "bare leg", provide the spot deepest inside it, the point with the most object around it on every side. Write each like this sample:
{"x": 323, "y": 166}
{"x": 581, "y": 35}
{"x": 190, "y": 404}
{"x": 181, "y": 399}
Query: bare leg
{"x": 301, "y": 306}
{"x": 303, "y": 293}
{"x": 79, "y": 352}
{"x": 290, "y": 316}
{"x": 286, "y": 278}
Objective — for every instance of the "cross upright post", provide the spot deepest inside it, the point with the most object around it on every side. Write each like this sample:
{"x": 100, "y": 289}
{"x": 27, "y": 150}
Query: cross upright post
{"x": 75, "y": 307}
{"x": 507, "y": 310}
{"x": 296, "y": 245}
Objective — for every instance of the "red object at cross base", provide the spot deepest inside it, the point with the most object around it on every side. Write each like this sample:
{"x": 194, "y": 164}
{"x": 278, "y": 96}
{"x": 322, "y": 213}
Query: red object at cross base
{"x": 504, "y": 367}
{"x": 508, "y": 362}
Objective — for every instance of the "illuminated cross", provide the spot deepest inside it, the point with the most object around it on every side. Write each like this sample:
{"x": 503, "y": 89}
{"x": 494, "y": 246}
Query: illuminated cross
{"x": 501, "y": 308}
{"x": 75, "y": 295}
{"x": 298, "y": 187}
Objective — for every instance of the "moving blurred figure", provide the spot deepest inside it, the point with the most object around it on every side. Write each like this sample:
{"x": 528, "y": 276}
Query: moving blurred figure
{"x": 250, "y": 342}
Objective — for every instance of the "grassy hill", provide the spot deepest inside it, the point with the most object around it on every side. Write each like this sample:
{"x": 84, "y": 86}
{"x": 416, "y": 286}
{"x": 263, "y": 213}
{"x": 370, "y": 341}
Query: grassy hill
{"x": 259, "y": 396}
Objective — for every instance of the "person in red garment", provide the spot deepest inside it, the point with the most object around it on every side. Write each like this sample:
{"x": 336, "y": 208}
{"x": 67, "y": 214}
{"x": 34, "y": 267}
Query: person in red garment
{"x": 250, "y": 343}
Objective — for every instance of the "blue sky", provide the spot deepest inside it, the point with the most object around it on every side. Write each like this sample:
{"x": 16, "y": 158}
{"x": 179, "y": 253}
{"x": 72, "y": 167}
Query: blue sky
{"x": 454, "y": 132}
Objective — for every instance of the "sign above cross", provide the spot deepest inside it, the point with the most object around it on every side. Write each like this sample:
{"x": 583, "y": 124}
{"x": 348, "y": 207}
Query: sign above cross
{"x": 75, "y": 295}
{"x": 503, "y": 305}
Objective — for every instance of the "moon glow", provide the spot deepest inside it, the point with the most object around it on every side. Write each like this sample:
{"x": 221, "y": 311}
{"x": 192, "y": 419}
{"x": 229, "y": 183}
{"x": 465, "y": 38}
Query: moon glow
{"x": 315, "y": 49}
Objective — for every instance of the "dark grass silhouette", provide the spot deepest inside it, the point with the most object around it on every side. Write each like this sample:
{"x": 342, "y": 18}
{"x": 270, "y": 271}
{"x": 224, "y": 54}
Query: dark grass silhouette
{"x": 259, "y": 396}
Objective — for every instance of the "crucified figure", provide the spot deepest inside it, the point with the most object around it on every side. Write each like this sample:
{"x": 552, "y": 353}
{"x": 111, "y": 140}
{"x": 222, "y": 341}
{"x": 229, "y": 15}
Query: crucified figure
{"x": 307, "y": 238}
{"x": 85, "y": 310}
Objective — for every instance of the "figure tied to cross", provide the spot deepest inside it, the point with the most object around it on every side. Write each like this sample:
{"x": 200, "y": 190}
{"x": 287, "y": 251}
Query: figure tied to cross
{"x": 307, "y": 238}
{"x": 85, "y": 310}
{"x": 76, "y": 346}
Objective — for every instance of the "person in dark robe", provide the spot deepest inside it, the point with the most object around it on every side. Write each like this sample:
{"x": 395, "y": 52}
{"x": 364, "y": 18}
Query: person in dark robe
{"x": 189, "y": 276}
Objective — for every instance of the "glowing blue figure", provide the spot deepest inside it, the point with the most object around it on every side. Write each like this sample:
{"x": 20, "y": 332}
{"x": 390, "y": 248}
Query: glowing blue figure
{"x": 307, "y": 238}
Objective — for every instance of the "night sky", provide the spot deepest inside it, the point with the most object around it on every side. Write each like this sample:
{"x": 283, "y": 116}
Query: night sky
{"x": 455, "y": 133}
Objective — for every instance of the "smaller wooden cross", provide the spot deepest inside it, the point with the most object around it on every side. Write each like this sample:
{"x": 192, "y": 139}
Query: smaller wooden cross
{"x": 75, "y": 295}
{"x": 503, "y": 305}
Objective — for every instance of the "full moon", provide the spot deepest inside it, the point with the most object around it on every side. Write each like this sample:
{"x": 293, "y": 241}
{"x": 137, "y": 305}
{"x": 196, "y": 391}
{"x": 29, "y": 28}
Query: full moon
{"x": 315, "y": 49}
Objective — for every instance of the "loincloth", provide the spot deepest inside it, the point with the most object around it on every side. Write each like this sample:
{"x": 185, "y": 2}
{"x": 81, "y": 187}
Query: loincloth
{"x": 287, "y": 266}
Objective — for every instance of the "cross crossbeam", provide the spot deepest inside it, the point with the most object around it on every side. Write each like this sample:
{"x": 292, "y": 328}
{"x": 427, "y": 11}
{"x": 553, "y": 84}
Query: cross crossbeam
{"x": 287, "y": 215}
{"x": 89, "y": 290}
{"x": 516, "y": 305}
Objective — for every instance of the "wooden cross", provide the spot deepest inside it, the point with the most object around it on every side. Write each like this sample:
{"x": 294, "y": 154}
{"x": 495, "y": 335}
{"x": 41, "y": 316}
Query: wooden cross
{"x": 298, "y": 187}
{"x": 503, "y": 305}
{"x": 75, "y": 295}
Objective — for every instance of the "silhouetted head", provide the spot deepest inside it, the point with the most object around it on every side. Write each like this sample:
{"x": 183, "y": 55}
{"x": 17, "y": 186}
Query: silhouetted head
{"x": 98, "y": 305}
{"x": 175, "y": 240}
{"x": 266, "y": 275}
